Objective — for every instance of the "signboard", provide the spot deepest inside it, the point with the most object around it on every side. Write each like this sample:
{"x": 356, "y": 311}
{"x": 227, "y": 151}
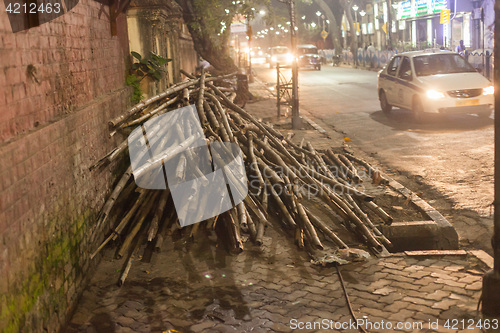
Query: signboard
{"x": 407, "y": 9}
{"x": 370, "y": 28}
{"x": 445, "y": 16}
{"x": 421, "y": 7}
{"x": 438, "y": 5}
{"x": 404, "y": 10}
{"x": 237, "y": 28}
{"x": 324, "y": 34}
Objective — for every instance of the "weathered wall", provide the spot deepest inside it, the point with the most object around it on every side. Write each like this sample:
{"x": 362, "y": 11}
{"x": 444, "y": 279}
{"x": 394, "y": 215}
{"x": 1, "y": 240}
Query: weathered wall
{"x": 156, "y": 26}
{"x": 51, "y": 131}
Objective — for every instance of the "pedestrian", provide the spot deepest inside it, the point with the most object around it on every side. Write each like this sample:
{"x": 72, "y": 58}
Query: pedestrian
{"x": 460, "y": 47}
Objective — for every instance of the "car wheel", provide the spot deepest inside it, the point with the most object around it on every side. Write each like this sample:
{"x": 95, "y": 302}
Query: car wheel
{"x": 318, "y": 67}
{"x": 386, "y": 107}
{"x": 484, "y": 114}
{"x": 418, "y": 111}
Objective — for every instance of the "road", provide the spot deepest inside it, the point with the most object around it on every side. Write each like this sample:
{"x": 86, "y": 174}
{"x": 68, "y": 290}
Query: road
{"x": 451, "y": 158}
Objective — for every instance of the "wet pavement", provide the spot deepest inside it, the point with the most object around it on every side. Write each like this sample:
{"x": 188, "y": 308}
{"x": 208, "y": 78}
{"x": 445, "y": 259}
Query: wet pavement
{"x": 197, "y": 286}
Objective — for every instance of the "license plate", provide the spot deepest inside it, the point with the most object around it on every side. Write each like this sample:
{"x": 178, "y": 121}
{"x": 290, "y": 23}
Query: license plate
{"x": 467, "y": 102}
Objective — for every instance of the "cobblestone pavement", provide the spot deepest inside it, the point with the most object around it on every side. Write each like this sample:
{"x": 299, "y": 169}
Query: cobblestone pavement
{"x": 198, "y": 287}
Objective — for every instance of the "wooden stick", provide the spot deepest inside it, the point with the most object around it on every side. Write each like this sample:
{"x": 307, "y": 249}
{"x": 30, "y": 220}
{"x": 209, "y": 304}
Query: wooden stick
{"x": 153, "y": 229}
{"x": 103, "y": 215}
{"x": 326, "y": 231}
{"x": 380, "y": 212}
{"x": 144, "y": 212}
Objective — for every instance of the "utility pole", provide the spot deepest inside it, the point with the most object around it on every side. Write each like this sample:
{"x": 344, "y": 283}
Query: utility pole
{"x": 296, "y": 120}
{"x": 389, "y": 24}
{"x": 491, "y": 280}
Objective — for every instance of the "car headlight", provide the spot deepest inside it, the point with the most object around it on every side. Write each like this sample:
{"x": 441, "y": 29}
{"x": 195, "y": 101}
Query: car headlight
{"x": 489, "y": 90}
{"x": 434, "y": 94}
{"x": 273, "y": 58}
{"x": 289, "y": 57}
{"x": 260, "y": 53}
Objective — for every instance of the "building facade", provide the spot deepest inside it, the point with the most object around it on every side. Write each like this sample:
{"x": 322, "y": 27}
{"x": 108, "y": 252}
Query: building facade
{"x": 417, "y": 24}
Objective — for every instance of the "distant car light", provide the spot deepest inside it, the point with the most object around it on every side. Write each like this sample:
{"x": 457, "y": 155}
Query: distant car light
{"x": 433, "y": 94}
{"x": 274, "y": 59}
{"x": 289, "y": 57}
{"x": 261, "y": 53}
{"x": 489, "y": 90}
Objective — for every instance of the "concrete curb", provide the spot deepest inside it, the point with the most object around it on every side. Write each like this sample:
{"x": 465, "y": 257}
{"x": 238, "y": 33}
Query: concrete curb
{"x": 434, "y": 234}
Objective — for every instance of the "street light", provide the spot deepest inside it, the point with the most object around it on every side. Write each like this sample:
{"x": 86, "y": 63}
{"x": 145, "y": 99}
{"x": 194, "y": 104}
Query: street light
{"x": 318, "y": 14}
{"x": 262, "y": 12}
{"x": 355, "y": 8}
{"x": 313, "y": 25}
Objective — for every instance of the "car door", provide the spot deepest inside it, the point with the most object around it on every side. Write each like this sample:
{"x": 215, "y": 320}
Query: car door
{"x": 404, "y": 90}
{"x": 389, "y": 83}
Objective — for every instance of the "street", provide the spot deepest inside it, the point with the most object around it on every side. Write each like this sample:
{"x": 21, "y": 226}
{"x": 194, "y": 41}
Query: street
{"x": 452, "y": 155}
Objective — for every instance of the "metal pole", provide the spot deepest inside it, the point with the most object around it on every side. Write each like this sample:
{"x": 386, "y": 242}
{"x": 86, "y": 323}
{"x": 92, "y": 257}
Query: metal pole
{"x": 491, "y": 280}
{"x": 296, "y": 121}
{"x": 278, "y": 97}
{"x": 249, "y": 35}
{"x": 389, "y": 24}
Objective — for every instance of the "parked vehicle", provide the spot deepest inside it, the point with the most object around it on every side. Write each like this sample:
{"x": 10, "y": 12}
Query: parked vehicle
{"x": 281, "y": 55}
{"x": 434, "y": 81}
{"x": 307, "y": 56}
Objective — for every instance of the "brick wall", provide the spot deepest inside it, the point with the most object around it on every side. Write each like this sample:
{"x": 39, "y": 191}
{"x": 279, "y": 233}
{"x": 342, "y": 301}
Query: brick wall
{"x": 51, "y": 131}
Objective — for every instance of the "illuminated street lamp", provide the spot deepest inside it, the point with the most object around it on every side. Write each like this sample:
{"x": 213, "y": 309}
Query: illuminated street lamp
{"x": 313, "y": 25}
{"x": 262, "y": 12}
{"x": 318, "y": 14}
{"x": 355, "y": 8}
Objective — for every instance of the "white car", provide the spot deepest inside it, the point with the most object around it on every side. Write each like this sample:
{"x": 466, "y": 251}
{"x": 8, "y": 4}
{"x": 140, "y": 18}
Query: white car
{"x": 434, "y": 81}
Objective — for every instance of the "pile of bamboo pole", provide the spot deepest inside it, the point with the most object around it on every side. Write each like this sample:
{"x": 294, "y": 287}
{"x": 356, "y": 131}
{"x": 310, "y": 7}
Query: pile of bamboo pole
{"x": 272, "y": 161}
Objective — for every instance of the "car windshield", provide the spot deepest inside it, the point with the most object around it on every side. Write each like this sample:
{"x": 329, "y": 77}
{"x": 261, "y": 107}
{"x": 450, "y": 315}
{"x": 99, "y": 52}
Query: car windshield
{"x": 441, "y": 64}
{"x": 307, "y": 50}
{"x": 281, "y": 50}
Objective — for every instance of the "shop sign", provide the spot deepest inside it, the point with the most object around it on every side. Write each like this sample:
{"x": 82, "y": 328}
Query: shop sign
{"x": 421, "y": 7}
{"x": 409, "y": 8}
{"x": 438, "y": 5}
{"x": 404, "y": 10}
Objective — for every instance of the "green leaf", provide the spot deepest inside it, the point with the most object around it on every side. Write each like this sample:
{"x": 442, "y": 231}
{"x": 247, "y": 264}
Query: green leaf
{"x": 157, "y": 76}
{"x": 136, "y": 55}
{"x": 136, "y": 65}
{"x": 144, "y": 61}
